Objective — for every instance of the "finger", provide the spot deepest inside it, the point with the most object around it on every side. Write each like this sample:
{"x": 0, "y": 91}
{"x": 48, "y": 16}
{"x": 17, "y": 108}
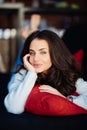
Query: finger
{"x": 26, "y": 57}
{"x": 45, "y": 90}
{"x": 45, "y": 87}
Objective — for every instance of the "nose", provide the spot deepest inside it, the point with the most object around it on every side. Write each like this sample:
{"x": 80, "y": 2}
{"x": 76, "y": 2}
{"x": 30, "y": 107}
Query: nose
{"x": 36, "y": 57}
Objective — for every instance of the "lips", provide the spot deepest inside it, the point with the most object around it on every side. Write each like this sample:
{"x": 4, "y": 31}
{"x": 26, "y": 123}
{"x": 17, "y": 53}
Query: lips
{"x": 37, "y": 65}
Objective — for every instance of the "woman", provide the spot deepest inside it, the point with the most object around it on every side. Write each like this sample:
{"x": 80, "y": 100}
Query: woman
{"x": 45, "y": 57}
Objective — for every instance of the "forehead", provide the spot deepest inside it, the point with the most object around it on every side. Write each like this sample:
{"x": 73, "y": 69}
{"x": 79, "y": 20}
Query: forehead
{"x": 38, "y": 44}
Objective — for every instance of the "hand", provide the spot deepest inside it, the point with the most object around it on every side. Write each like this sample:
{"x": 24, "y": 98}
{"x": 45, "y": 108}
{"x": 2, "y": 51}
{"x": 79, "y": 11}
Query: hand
{"x": 25, "y": 32}
{"x": 49, "y": 89}
{"x": 27, "y": 64}
{"x": 35, "y": 22}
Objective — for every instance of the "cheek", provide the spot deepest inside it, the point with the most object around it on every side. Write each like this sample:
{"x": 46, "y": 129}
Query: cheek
{"x": 48, "y": 61}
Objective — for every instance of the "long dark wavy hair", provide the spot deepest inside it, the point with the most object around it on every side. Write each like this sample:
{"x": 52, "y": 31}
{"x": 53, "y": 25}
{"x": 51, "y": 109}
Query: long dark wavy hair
{"x": 63, "y": 73}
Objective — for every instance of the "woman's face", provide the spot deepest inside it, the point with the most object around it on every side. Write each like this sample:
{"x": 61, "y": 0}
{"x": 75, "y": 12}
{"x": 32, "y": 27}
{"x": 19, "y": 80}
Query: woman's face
{"x": 40, "y": 55}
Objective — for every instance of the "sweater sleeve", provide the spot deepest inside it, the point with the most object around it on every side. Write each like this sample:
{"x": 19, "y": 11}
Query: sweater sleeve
{"x": 81, "y": 89}
{"x": 19, "y": 88}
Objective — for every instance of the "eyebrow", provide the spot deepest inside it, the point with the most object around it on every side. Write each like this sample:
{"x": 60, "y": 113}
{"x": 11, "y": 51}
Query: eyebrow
{"x": 40, "y": 49}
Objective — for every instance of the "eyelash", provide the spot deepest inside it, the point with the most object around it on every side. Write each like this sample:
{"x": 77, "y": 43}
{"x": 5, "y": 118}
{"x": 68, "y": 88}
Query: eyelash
{"x": 43, "y": 52}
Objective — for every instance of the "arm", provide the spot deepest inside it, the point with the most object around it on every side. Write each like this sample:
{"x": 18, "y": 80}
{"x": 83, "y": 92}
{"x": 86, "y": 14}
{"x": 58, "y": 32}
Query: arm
{"x": 81, "y": 88}
{"x": 19, "y": 88}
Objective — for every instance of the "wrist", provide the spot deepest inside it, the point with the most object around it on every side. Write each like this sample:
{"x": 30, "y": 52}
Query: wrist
{"x": 70, "y": 98}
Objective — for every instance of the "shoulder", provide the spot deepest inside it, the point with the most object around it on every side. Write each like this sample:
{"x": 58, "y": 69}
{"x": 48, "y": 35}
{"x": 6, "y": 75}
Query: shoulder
{"x": 16, "y": 78}
{"x": 80, "y": 81}
{"x": 81, "y": 85}
{"x": 21, "y": 73}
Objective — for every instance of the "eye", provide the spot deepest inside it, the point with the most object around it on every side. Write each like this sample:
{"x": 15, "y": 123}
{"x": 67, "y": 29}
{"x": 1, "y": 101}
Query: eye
{"x": 32, "y": 53}
{"x": 43, "y": 52}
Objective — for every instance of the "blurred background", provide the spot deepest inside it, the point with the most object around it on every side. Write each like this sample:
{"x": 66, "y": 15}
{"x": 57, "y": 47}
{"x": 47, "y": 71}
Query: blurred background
{"x": 16, "y": 18}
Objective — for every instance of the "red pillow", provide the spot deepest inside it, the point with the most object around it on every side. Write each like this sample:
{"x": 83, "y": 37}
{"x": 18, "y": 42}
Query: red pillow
{"x": 43, "y": 103}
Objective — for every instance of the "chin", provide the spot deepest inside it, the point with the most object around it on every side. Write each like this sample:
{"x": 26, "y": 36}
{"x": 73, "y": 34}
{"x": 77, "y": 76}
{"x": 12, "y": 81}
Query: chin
{"x": 38, "y": 71}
